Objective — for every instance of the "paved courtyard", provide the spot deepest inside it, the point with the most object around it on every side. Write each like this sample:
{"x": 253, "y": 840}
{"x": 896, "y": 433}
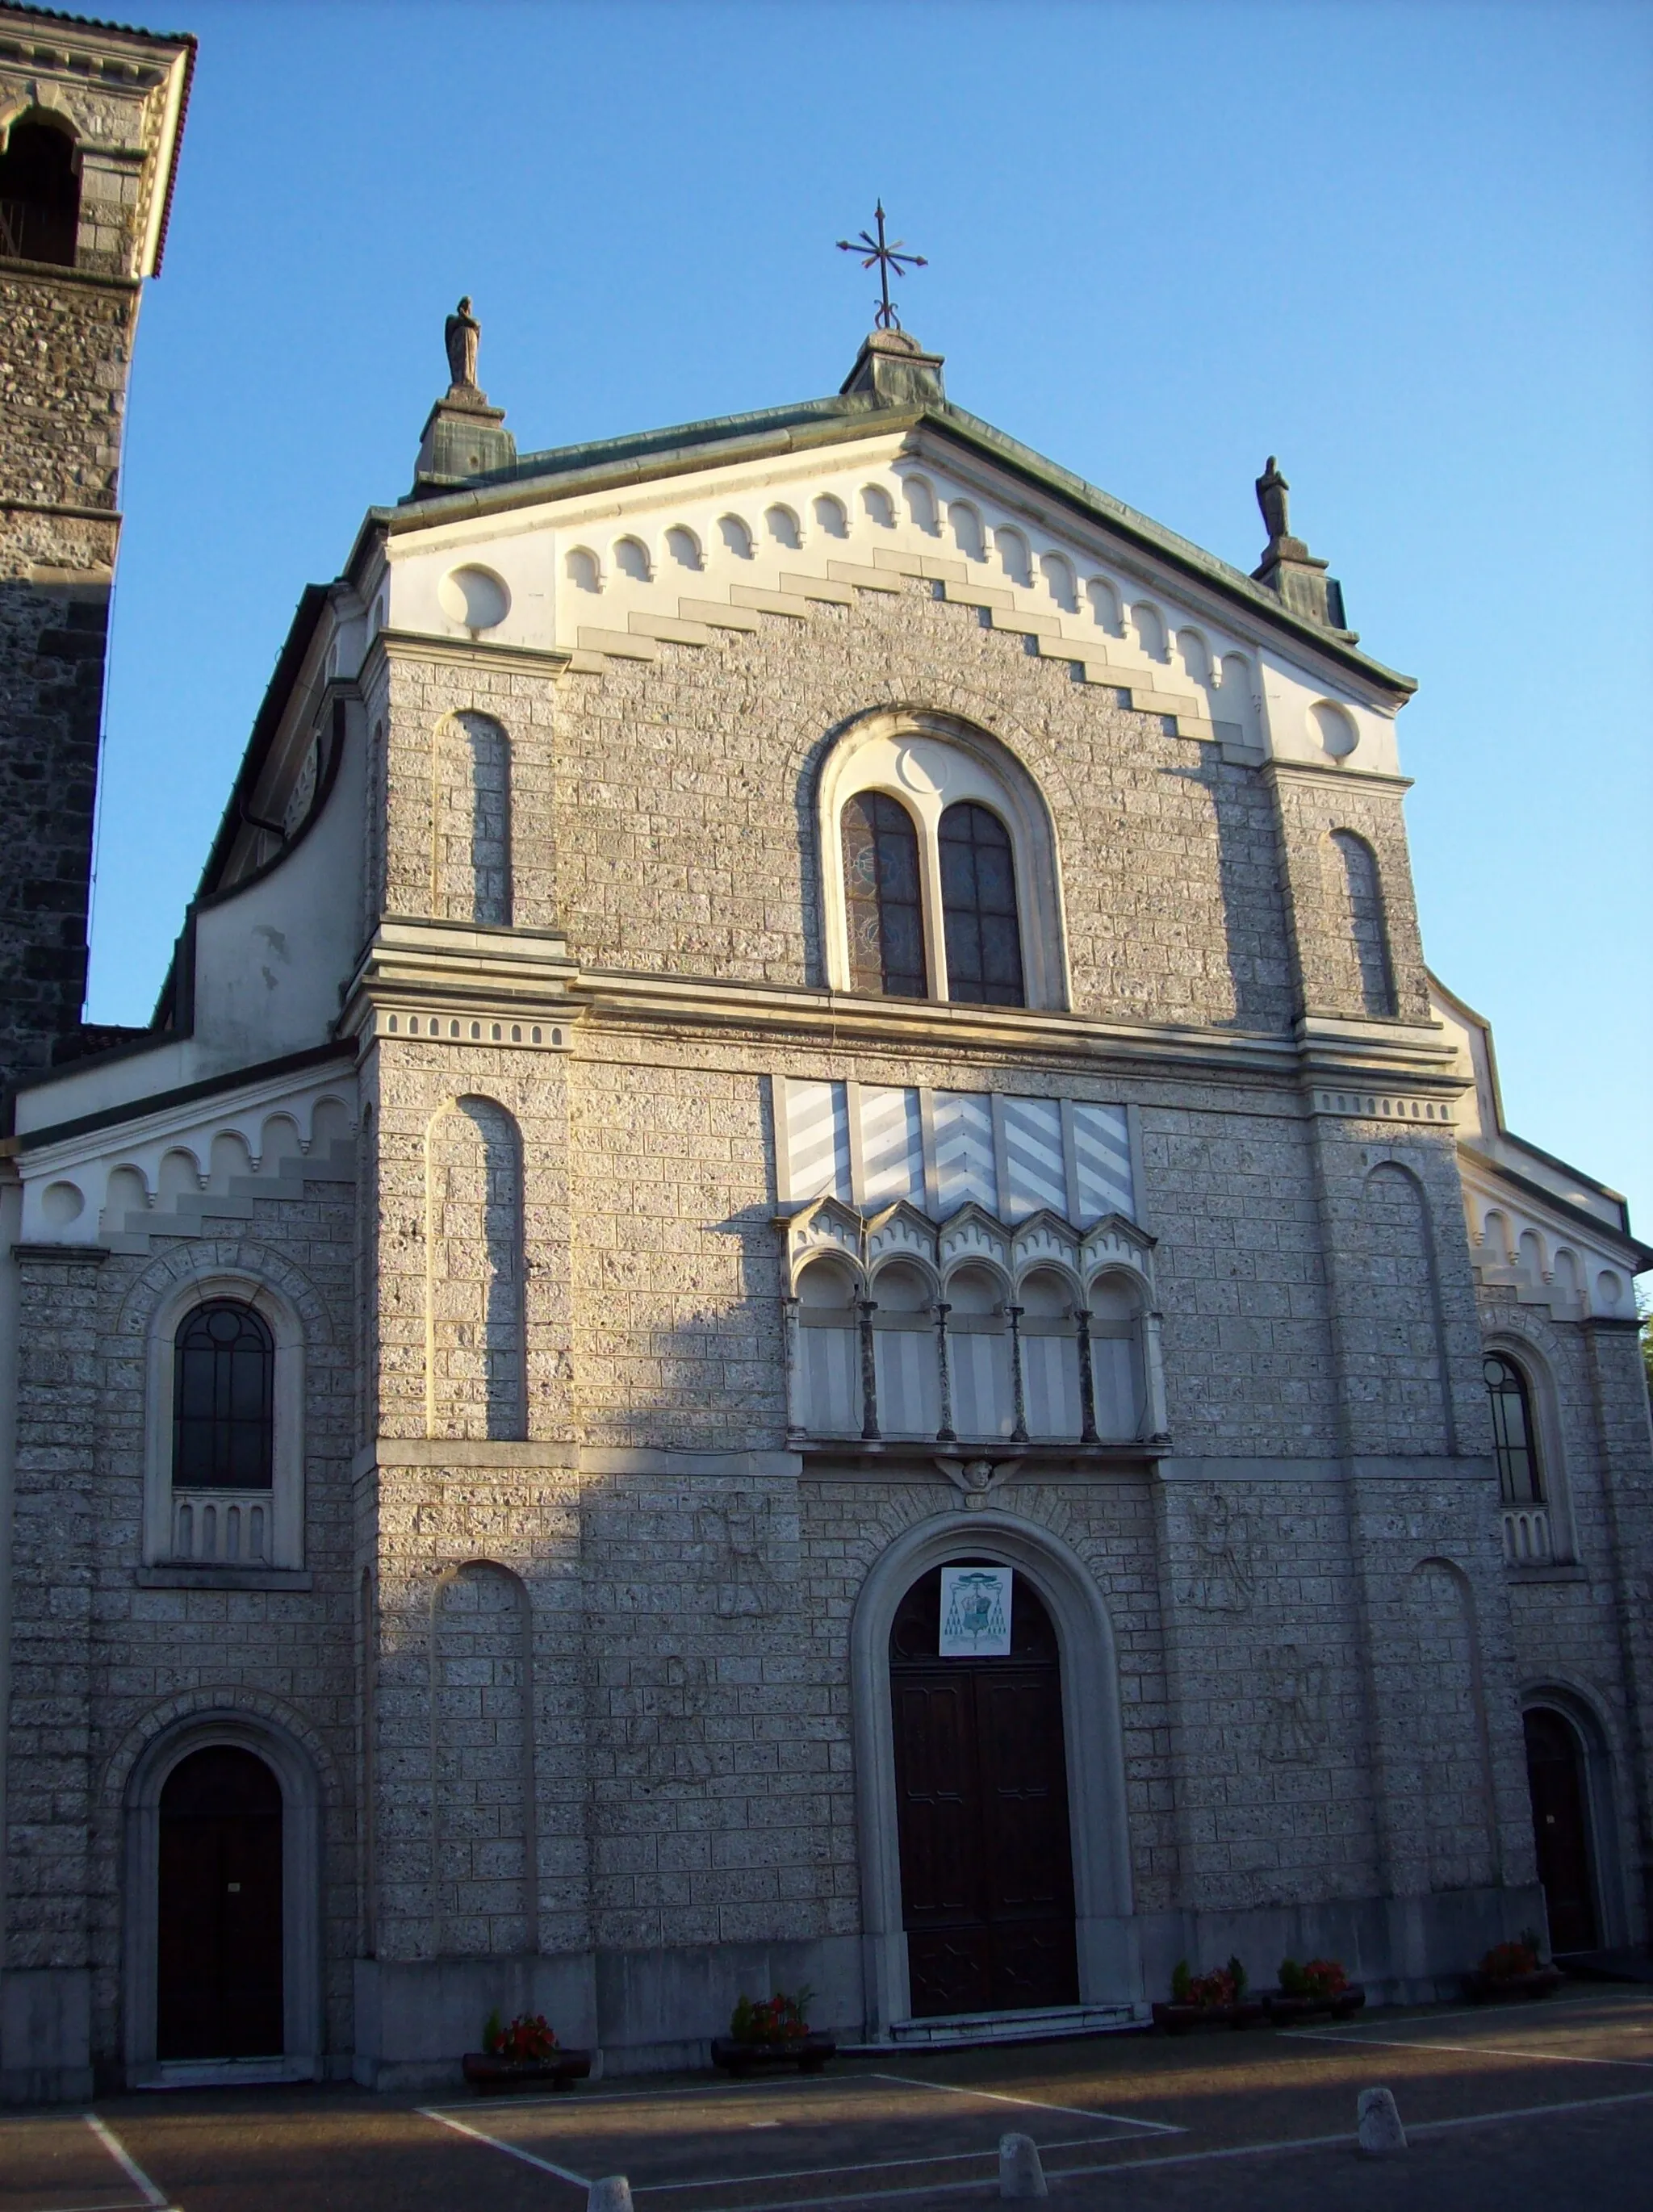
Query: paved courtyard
{"x": 1543, "y": 2106}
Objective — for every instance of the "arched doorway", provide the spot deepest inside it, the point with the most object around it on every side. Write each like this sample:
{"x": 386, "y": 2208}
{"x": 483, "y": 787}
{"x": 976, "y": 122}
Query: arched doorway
{"x": 986, "y": 1869}
{"x": 1561, "y": 1832}
{"x": 219, "y": 1947}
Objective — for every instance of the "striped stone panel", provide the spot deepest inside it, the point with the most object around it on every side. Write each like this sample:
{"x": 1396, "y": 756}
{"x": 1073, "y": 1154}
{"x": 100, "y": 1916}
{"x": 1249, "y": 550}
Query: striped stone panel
{"x": 1041, "y": 1169}
{"x": 1037, "y": 1173}
{"x": 892, "y": 1147}
{"x": 818, "y": 1140}
{"x": 1102, "y": 1146}
{"x": 964, "y": 1144}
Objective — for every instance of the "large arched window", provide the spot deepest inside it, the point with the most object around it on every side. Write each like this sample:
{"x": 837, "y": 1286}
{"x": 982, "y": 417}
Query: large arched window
{"x": 224, "y": 1400}
{"x": 940, "y": 876}
{"x": 883, "y": 903}
{"x": 978, "y": 904}
{"x": 1514, "y": 1441}
{"x": 40, "y": 195}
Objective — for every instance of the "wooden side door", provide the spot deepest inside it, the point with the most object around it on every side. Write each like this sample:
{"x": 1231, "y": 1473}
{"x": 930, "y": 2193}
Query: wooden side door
{"x": 982, "y": 1794}
{"x": 1561, "y": 1829}
{"x": 219, "y": 1987}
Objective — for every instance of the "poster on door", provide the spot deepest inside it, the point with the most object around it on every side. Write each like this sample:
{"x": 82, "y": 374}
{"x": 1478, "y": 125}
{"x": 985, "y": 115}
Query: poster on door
{"x": 975, "y": 1612}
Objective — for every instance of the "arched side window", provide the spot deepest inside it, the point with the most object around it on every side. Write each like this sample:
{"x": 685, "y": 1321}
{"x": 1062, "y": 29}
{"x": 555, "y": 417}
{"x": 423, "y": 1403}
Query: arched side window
{"x": 224, "y": 1428}
{"x": 40, "y": 195}
{"x": 1367, "y": 926}
{"x": 883, "y": 906}
{"x": 224, "y": 1400}
{"x": 1515, "y": 1440}
{"x": 978, "y": 906}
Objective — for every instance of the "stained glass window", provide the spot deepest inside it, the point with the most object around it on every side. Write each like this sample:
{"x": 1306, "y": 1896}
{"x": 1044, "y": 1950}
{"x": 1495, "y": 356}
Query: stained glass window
{"x": 978, "y": 902}
{"x": 882, "y": 903}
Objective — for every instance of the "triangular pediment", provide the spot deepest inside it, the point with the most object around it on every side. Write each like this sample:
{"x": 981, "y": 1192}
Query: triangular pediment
{"x": 620, "y": 551}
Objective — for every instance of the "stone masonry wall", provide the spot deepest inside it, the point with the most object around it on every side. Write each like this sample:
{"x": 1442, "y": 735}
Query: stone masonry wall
{"x": 102, "y": 1665}
{"x": 663, "y": 813}
{"x": 64, "y": 365}
{"x": 65, "y": 352}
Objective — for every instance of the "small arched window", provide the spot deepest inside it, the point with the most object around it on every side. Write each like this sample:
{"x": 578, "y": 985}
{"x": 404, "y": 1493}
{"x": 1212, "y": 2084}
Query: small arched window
{"x": 978, "y": 904}
{"x": 224, "y": 1400}
{"x": 883, "y": 904}
{"x": 40, "y": 195}
{"x": 1515, "y": 1443}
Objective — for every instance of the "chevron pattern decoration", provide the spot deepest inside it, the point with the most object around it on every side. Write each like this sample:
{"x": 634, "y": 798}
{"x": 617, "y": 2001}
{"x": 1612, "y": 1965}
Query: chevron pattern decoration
{"x": 1049, "y": 1147}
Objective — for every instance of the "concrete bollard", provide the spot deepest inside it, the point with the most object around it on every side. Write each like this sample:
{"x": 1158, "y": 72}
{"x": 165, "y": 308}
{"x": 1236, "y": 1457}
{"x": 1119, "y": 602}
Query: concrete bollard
{"x": 1380, "y": 2129}
{"x": 613, "y": 2194}
{"x": 1020, "y": 2173}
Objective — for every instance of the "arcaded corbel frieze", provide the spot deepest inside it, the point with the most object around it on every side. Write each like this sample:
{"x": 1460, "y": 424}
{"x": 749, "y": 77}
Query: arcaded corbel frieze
{"x": 821, "y": 1226}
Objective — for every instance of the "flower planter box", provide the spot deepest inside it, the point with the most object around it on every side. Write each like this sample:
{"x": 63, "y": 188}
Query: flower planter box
{"x": 1493, "y": 1989}
{"x": 1285, "y": 2011}
{"x": 492, "y": 2077}
{"x": 808, "y": 2053}
{"x": 1179, "y": 2019}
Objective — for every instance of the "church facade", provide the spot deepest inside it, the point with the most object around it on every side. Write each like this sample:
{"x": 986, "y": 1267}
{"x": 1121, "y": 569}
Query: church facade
{"x": 801, "y": 1286}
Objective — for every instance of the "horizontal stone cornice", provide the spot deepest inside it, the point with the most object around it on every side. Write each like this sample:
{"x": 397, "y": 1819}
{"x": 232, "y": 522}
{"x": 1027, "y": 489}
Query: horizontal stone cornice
{"x": 462, "y": 652}
{"x": 447, "y": 975}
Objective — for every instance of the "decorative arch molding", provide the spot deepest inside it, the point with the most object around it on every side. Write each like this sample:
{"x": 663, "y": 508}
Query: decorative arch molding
{"x": 475, "y": 1318}
{"x": 470, "y": 867}
{"x": 198, "y": 1260}
{"x": 927, "y": 759}
{"x": 40, "y": 103}
{"x": 1591, "y": 1721}
{"x": 1111, "y": 1971}
{"x": 1386, "y": 1165}
{"x": 135, "y": 1777}
{"x": 172, "y": 1295}
{"x": 1479, "y": 1716}
{"x": 496, "y": 1763}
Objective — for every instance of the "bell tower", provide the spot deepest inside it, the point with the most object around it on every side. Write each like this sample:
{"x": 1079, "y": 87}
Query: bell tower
{"x": 90, "y": 120}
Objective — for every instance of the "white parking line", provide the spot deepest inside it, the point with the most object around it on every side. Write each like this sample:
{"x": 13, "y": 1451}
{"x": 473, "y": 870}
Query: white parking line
{"x": 568, "y": 2098}
{"x": 498, "y": 2142}
{"x": 1343, "y": 2141}
{"x": 1470, "y": 2050}
{"x": 124, "y": 2159}
{"x": 985, "y": 2156}
{"x": 1034, "y": 2104}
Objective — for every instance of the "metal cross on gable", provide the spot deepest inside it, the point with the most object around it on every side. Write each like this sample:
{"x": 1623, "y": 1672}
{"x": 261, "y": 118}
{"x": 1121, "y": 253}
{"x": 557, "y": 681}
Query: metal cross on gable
{"x": 889, "y": 258}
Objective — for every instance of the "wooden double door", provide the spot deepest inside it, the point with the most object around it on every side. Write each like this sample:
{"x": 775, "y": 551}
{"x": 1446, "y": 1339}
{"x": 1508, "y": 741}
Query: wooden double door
{"x": 986, "y": 1866}
{"x": 219, "y": 1984}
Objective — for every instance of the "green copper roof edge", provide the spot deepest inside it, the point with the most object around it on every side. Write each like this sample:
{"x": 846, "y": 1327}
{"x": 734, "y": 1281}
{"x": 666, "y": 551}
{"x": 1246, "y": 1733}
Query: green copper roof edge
{"x": 646, "y": 456}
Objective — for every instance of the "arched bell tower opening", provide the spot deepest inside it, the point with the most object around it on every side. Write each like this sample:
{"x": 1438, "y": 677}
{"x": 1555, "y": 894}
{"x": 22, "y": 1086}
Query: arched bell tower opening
{"x": 40, "y": 193}
{"x": 986, "y": 1865}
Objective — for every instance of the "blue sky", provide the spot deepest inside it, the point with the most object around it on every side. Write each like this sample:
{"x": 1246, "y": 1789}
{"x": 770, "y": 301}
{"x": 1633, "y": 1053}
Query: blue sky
{"x": 1406, "y": 248}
